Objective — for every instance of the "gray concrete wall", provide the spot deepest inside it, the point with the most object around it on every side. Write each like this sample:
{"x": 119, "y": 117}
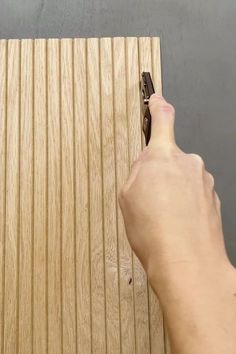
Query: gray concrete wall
{"x": 199, "y": 66}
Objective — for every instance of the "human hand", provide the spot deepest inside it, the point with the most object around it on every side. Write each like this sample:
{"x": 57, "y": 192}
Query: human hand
{"x": 171, "y": 210}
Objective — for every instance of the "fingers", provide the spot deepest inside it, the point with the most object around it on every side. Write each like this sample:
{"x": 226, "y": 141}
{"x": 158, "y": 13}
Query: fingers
{"x": 210, "y": 179}
{"x": 163, "y": 116}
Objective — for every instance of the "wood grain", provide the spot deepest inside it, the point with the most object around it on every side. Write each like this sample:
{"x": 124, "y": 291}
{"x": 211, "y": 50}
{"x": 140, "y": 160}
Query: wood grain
{"x": 3, "y": 121}
{"x": 70, "y": 129}
{"x": 26, "y": 198}
{"x": 68, "y": 200}
{"x": 109, "y": 198}
{"x": 149, "y": 60}
{"x": 126, "y": 298}
{"x": 97, "y": 256}
{"x": 134, "y": 131}
{"x": 40, "y": 305}
{"x": 11, "y": 286}
{"x": 82, "y": 197}
{"x": 54, "y": 255}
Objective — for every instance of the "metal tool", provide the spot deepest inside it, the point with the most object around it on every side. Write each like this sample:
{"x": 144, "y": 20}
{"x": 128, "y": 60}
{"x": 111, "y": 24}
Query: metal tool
{"x": 147, "y": 89}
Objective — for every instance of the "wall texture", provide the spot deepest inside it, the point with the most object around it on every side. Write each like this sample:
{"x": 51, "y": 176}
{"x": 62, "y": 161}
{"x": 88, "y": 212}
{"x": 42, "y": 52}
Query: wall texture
{"x": 199, "y": 66}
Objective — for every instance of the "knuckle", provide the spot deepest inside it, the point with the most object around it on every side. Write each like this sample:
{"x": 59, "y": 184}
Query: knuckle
{"x": 141, "y": 158}
{"x": 197, "y": 159}
{"x": 170, "y": 107}
{"x": 210, "y": 179}
{"x": 160, "y": 103}
{"x": 218, "y": 201}
{"x": 155, "y": 97}
{"x": 167, "y": 107}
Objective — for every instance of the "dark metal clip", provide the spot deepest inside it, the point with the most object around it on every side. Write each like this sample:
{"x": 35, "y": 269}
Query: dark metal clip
{"x": 147, "y": 89}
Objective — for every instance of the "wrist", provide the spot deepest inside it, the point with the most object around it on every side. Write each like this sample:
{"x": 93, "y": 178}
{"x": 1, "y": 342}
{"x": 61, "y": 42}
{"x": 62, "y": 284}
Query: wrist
{"x": 202, "y": 306}
{"x": 189, "y": 279}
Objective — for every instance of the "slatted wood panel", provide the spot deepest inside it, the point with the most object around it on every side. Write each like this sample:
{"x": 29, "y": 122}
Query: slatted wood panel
{"x": 70, "y": 128}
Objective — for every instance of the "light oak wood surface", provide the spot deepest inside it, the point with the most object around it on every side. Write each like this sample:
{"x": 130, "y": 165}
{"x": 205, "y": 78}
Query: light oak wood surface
{"x": 70, "y": 129}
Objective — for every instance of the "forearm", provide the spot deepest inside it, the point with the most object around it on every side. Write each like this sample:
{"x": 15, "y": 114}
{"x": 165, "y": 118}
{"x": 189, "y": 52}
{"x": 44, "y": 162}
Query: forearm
{"x": 200, "y": 310}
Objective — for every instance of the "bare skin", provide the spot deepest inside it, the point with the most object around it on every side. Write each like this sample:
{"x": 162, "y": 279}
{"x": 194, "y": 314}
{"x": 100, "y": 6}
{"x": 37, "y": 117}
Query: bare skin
{"x": 172, "y": 216}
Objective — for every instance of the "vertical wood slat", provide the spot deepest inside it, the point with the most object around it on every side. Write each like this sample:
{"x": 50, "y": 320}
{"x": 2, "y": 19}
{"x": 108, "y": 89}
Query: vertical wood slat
{"x": 149, "y": 63}
{"x": 109, "y": 198}
{"x": 70, "y": 281}
{"x": 95, "y": 200}
{"x": 68, "y": 200}
{"x": 12, "y": 200}
{"x": 122, "y": 169}
{"x": 156, "y": 64}
{"x": 54, "y": 199}
{"x": 82, "y": 195}
{"x": 157, "y": 79}
{"x": 40, "y": 200}
{"x": 26, "y": 198}
{"x": 134, "y": 129}
{"x": 3, "y": 84}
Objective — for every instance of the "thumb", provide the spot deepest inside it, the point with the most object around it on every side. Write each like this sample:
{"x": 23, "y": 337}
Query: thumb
{"x": 163, "y": 116}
